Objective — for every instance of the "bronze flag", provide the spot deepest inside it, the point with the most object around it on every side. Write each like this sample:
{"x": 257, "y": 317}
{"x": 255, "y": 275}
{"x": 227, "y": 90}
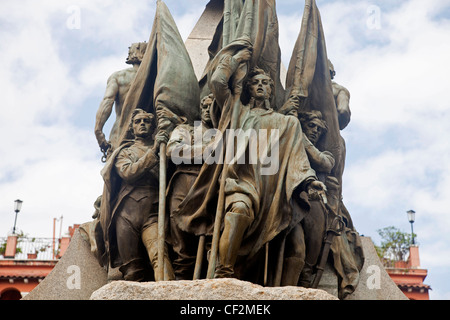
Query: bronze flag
{"x": 166, "y": 77}
{"x": 308, "y": 76}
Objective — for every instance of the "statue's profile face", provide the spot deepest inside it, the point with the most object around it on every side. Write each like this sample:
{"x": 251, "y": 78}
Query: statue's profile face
{"x": 259, "y": 87}
{"x": 142, "y": 125}
{"x": 205, "y": 110}
{"x": 136, "y": 53}
{"x": 312, "y": 131}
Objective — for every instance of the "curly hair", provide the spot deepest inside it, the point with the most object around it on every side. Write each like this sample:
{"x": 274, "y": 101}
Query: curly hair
{"x": 141, "y": 111}
{"x": 313, "y": 115}
{"x": 209, "y": 96}
{"x": 258, "y": 71}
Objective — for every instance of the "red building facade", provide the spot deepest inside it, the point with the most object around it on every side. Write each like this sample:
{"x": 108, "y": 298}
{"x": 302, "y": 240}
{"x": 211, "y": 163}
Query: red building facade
{"x": 25, "y": 262}
{"x": 410, "y": 277}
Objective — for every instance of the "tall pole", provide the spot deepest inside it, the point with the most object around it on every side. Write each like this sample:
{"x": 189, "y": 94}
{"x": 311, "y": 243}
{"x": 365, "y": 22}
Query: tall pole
{"x": 221, "y": 201}
{"x": 53, "y": 243}
{"x": 162, "y": 211}
{"x": 15, "y": 220}
{"x": 412, "y": 233}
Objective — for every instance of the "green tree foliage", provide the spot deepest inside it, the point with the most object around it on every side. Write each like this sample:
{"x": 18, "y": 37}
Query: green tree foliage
{"x": 394, "y": 245}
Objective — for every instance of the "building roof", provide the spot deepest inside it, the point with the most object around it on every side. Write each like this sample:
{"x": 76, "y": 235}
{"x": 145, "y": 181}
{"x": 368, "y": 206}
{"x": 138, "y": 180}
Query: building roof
{"x": 23, "y": 274}
{"x": 25, "y": 269}
{"x": 413, "y": 286}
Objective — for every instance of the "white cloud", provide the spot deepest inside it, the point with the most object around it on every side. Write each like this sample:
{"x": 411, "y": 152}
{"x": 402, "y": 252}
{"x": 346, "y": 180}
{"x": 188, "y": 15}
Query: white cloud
{"x": 398, "y": 146}
{"x": 53, "y": 166}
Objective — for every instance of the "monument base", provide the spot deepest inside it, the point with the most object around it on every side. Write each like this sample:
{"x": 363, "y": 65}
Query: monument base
{"x": 78, "y": 275}
{"x": 210, "y": 289}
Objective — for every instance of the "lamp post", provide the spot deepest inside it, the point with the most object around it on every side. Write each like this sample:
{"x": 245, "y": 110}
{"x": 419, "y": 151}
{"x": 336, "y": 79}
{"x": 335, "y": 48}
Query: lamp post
{"x": 17, "y": 207}
{"x": 411, "y": 219}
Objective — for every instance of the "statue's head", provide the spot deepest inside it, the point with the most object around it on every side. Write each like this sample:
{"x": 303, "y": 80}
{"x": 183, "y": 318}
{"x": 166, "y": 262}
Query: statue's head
{"x": 331, "y": 68}
{"x": 259, "y": 85}
{"x": 136, "y": 52}
{"x": 313, "y": 125}
{"x": 142, "y": 123}
{"x": 205, "y": 108}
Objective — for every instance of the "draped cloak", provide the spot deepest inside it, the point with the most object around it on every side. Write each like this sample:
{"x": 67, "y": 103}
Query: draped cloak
{"x": 116, "y": 190}
{"x": 271, "y": 194}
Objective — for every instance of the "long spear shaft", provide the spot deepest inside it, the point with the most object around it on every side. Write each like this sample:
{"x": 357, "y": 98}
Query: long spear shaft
{"x": 162, "y": 210}
{"x": 199, "y": 259}
{"x": 335, "y": 229}
{"x": 221, "y": 201}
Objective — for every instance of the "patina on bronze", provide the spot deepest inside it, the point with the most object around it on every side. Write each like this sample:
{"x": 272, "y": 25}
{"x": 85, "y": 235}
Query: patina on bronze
{"x": 129, "y": 207}
{"x": 219, "y": 208}
{"x": 116, "y": 91}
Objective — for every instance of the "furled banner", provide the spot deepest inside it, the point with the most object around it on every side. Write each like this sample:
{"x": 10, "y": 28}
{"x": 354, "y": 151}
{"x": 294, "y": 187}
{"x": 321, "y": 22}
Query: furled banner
{"x": 166, "y": 77}
{"x": 308, "y": 77}
{"x": 256, "y": 21}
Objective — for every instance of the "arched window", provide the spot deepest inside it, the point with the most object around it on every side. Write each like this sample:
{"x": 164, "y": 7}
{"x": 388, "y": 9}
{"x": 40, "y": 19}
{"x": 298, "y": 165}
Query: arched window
{"x": 10, "y": 294}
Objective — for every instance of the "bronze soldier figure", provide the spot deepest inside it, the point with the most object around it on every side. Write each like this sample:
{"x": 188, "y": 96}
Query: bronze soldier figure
{"x": 130, "y": 221}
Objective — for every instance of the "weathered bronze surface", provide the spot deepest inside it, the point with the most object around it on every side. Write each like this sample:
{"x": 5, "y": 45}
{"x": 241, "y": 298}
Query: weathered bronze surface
{"x": 116, "y": 91}
{"x": 235, "y": 174}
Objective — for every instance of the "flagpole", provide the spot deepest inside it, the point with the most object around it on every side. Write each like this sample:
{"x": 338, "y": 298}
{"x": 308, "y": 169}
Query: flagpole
{"x": 245, "y": 32}
{"x": 221, "y": 201}
{"x": 226, "y": 161}
{"x": 162, "y": 210}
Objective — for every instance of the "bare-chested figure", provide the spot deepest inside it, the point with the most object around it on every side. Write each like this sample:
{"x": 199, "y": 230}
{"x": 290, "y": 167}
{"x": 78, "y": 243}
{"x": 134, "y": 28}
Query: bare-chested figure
{"x": 342, "y": 98}
{"x": 117, "y": 88}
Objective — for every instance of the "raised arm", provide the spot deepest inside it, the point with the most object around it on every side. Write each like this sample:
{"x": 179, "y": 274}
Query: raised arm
{"x": 105, "y": 110}
{"x": 321, "y": 161}
{"x": 220, "y": 79}
{"x": 342, "y": 96}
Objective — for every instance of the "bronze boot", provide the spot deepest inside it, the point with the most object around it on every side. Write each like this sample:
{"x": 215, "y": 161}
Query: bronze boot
{"x": 150, "y": 240}
{"x": 306, "y": 276}
{"x": 292, "y": 267}
{"x": 235, "y": 225}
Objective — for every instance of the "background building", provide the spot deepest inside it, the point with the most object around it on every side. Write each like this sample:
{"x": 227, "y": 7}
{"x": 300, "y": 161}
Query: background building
{"x": 26, "y": 261}
{"x": 409, "y": 276}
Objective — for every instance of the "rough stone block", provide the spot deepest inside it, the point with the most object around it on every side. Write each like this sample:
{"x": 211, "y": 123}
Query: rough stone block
{"x": 75, "y": 276}
{"x": 375, "y": 282}
{"x": 214, "y": 289}
{"x": 78, "y": 261}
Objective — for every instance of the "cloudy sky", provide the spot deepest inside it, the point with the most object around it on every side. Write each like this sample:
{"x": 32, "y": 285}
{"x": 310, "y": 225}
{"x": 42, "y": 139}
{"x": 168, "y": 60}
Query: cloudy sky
{"x": 393, "y": 57}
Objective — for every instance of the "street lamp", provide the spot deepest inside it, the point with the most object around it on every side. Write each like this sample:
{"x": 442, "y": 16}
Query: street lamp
{"x": 411, "y": 219}
{"x": 17, "y": 207}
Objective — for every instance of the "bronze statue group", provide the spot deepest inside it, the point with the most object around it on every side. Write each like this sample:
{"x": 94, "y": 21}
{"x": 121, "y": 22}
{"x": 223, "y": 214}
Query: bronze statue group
{"x": 234, "y": 175}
